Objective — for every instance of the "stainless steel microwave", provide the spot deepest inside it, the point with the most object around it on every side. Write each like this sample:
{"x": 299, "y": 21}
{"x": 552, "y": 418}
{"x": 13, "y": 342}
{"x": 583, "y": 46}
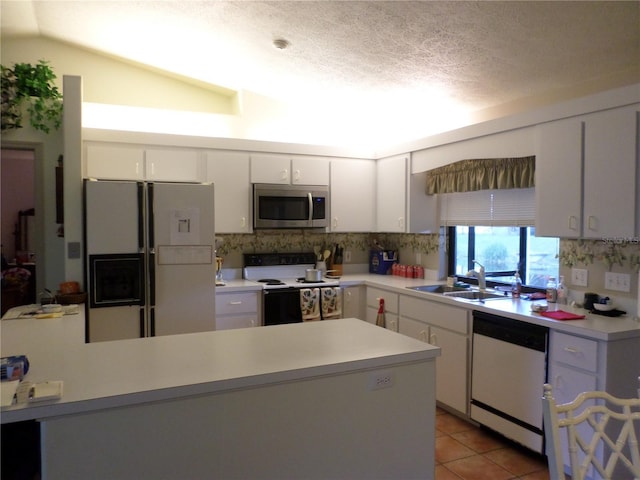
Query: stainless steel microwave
{"x": 290, "y": 206}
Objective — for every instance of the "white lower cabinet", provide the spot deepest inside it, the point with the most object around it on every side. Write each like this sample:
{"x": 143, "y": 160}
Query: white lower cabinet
{"x": 353, "y": 299}
{"x": 448, "y": 328}
{"x": 578, "y": 364}
{"x": 390, "y": 307}
{"x": 237, "y": 310}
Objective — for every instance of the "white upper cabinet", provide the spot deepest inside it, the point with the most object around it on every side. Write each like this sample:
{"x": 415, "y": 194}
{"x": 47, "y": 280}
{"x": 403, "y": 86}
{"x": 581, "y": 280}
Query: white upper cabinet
{"x": 558, "y": 179}
{"x": 271, "y": 169}
{"x": 587, "y": 175}
{"x": 173, "y": 165}
{"x": 391, "y": 193}
{"x": 310, "y": 171}
{"x": 610, "y": 173}
{"x": 283, "y": 169}
{"x": 353, "y": 195}
{"x": 114, "y": 162}
{"x": 402, "y": 204}
{"x": 229, "y": 172}
{"x": 135, "y": 162}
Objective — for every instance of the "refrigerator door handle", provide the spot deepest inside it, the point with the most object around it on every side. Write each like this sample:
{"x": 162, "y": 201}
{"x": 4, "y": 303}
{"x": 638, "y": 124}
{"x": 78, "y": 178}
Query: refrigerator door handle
{"x": 152, "y": 322}
{"x": 142, "y": 325}
{"x": 150, "y": 220}
{"x": 140, "y": 194}
{"x": 152, "y": 279}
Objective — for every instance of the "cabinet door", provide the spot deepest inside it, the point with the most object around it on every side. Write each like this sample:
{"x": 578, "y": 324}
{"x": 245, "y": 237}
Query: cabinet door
{"x": 173, "y": 165}
{"x": 353, "y": 302}
{"x": 352, "y": 195}
{"x": 236, "y": 310}
{"x": 229, "y": 172}
{"x": 451, "y": 367}
{"x": 391, "y": 194}
{"x": 610, "y": 178}
{"x": 310, "y": 171}
{"x": 114, "y": 162}
{"x": 270, "y": 169}
{"x": 567, "y": 383}
{"x": 414, "y": 329}
{"x": 558, "y": 179}
{"x": 391, "y": 321}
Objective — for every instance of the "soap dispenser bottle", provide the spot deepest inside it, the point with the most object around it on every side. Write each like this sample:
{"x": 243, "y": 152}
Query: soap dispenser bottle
{"x": 562, "y": 291}
{"x": 516, "y": 286}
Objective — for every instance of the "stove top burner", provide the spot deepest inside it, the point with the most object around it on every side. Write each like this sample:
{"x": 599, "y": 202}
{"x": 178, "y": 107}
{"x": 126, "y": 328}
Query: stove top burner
{"x": 271, "y": 281}
{"x": 304, "y": 280}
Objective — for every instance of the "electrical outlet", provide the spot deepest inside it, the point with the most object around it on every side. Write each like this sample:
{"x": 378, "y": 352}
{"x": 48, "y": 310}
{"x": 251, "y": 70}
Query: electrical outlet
{"x": 620, "y": 282}
{"x": 347, "y": 256}
{"x": 381, "y": 379}
{"x": 579, "y": 277}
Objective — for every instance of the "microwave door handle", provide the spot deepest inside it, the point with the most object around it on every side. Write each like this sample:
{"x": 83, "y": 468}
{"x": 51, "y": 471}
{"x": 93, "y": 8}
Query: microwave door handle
{"x": 310, "y": 197}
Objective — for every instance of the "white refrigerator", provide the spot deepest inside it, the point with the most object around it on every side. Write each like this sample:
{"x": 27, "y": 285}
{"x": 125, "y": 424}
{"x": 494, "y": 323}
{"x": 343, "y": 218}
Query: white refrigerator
{"x": 149, "y": 259}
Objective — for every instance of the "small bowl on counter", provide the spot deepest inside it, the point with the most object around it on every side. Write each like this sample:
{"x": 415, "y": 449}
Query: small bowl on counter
{"x": 603, "y": 307}
{"x": 539, "y": 308}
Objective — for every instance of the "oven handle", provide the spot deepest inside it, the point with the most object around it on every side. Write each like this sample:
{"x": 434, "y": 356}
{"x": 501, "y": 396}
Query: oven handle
{"x": 310, "y": 198}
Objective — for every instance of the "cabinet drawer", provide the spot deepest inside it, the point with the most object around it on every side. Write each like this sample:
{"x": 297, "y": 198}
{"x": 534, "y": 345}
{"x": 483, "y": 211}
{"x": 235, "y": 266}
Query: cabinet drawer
{"x": 236, "y": 321}
{"x": 390, "y": 299}
{"x": 576, "y": 351}
{"x": 227, "y": 303}
{"x": 434, "y": 313}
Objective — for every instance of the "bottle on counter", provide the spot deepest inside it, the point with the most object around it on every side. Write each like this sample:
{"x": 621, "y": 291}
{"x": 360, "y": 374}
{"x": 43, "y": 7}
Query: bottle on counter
{"x": 563, "y": 293}
{"x": 380, "y": 320}
{"x": 516, "y": 286}
{"x": 552, "y": 290}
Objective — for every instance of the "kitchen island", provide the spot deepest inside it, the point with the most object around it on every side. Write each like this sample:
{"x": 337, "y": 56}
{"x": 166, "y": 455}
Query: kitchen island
{"x": 331, "y": 399}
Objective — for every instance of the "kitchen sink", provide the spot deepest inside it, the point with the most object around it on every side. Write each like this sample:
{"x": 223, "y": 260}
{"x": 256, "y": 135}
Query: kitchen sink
{"x": 475, "y": 295}
{"x": 438, "y": 289}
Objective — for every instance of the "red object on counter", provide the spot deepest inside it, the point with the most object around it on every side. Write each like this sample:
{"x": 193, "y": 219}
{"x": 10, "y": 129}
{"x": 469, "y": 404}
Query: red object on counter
{"x": 561, "y": 315}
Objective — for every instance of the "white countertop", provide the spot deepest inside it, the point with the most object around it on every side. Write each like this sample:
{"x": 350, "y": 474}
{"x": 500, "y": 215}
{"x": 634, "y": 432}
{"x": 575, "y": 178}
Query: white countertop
{"x": 112, "y": 374}
{"x": 592, "y": 326}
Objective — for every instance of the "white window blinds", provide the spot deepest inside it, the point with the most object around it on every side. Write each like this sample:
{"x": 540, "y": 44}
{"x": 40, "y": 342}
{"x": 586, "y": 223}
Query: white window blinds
{"x": 515, "y": 207}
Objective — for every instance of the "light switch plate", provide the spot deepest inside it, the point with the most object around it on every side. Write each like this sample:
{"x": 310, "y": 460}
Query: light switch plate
{"x": 579, "y": 277}
{"x": 620, "y": 282}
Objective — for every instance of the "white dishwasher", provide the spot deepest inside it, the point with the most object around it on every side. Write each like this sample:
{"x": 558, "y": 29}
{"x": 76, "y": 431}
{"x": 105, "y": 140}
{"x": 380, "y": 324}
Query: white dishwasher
{"x": 509, "y": 369}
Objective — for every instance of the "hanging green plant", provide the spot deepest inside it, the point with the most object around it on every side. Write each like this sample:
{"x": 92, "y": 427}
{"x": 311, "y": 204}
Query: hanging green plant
{"x": 34, "y": 85}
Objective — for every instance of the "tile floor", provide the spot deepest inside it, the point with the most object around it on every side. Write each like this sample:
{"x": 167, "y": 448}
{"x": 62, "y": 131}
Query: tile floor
{"x": 466, "y": 452}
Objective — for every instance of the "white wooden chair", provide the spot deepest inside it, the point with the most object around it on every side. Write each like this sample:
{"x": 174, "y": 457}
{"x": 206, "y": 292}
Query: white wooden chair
{"x": 601, "y": 432}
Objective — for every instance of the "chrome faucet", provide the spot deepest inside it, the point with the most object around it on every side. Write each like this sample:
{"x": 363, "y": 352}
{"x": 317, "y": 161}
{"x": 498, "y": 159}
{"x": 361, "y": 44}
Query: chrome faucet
{"x": 482, "y": 283}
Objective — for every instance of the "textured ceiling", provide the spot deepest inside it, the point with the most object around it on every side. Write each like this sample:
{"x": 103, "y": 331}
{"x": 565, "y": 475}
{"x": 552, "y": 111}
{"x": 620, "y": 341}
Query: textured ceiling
{"x": 478, "y": 54}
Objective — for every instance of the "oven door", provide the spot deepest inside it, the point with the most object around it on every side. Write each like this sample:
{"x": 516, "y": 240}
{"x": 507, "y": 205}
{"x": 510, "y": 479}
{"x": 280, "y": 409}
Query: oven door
{"x": 281, "y": 305}
{"x": 116, "y": 280}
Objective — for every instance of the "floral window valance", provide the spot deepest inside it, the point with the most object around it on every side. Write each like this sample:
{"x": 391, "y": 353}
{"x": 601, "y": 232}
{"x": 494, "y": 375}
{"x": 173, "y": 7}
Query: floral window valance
{"x": 482, "y": 174}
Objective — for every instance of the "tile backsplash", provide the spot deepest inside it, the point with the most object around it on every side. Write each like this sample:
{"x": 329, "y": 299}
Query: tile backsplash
{"x": 596, "y": 256}
{"x": 232, "y": 246}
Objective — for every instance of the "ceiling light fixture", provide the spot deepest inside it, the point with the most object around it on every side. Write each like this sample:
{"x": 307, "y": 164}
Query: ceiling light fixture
{"x": 281, "y": 43}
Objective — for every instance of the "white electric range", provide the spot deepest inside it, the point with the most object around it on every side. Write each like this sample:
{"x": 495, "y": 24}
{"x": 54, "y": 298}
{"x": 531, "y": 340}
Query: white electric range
{"x": 282, "y": 276}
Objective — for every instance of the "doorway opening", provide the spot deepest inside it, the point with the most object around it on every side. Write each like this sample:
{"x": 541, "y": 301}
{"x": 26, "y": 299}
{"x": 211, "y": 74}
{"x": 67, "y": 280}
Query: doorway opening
{"x": 18, "y": 226}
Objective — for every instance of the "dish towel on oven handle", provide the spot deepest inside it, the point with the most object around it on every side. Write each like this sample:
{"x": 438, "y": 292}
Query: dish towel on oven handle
{"x": 331, "y": 303}
{"x": 310, "y": 304}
